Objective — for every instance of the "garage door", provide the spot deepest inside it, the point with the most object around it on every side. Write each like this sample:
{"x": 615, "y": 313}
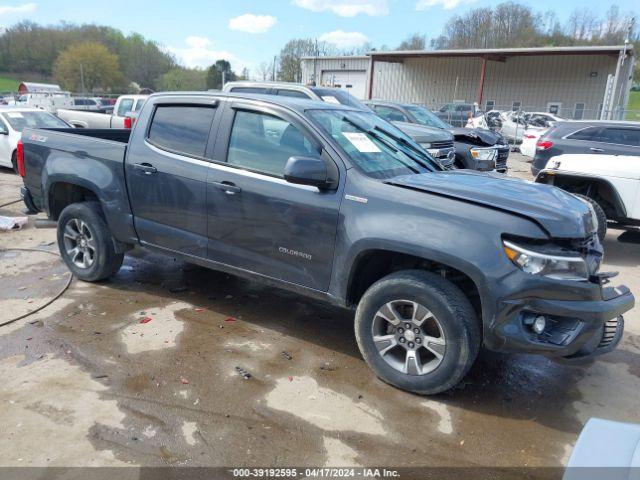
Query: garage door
{"x": 354, "y": 81}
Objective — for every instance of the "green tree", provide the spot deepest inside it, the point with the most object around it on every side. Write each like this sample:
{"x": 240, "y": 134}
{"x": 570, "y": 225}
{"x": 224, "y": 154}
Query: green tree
{"x": 183, "y": 79}
{"x": 219, "y": 72}
{"x": 91, "y": 62}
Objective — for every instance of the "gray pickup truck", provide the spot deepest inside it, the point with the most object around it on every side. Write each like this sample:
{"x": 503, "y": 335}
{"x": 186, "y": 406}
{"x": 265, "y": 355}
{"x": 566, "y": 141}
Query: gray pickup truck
{"x": 336, "y": 204}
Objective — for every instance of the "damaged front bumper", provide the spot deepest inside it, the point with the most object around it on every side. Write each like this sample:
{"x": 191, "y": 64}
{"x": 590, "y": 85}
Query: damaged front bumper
{"x": 587, "y": 322}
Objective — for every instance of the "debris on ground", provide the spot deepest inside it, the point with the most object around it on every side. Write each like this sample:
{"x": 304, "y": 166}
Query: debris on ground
{"x": 287, "y": 355}
{"x": 327, "y": 367}
{"x": 199, "y": 309}
{"x": 145, "y": 319}
{"x": 230, "y": 319}
{"x": 178, "y": 289}
{"x": 184, "y": 381}
{"x": 12, "y": 223}
{"x": 243, "y": 373}
{"x": 290, "y": 378}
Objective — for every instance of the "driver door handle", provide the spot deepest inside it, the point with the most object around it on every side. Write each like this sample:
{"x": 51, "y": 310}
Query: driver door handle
{"x": 228, "y": 187}
{"x": 597, "y": 150}
{"x": 147, "y": 168}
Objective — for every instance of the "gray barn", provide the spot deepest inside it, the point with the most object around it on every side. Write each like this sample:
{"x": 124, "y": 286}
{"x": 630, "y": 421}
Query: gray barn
{"x": 575, "y": 82}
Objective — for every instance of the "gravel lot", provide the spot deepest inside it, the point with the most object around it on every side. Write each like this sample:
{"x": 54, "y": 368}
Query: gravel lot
{"x": 85, "y": 383}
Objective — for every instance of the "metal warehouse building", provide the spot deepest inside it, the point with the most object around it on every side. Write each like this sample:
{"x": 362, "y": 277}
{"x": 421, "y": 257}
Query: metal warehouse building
{"x": 575, "y": 82}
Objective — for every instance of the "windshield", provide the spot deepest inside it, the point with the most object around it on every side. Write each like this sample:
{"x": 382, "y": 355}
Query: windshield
{"x": 22, "y": 120}
{"x": 374, "y": 146}
{"x": 334, "y": 95}
{"x": 427, "y": 117}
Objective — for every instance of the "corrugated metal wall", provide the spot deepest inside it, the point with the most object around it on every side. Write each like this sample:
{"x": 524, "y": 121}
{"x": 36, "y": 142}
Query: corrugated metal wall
{"x": 534, "y": 81}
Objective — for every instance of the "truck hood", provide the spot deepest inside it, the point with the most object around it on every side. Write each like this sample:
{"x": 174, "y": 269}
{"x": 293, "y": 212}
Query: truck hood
{"x": 561, "y": 214}
{"x": 478, "y": 136}
{"x": 424, "y": 134}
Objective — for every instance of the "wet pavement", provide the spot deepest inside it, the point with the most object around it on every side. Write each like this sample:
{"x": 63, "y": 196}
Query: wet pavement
{"x": 149, "y": 368}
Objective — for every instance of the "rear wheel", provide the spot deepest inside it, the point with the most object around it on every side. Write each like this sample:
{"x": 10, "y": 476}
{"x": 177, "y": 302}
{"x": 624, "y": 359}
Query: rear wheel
{"x": 14, "y": 163}
{"x": 86, "y": 244}
{"x": 600, "y": 216}
{"x": 417, "y": 331}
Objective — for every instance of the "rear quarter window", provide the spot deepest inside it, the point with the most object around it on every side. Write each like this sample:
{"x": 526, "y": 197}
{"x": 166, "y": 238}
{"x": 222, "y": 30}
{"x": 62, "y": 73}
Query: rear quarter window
{"x": 182, "y": 129}
{"x": 589, "y": 133}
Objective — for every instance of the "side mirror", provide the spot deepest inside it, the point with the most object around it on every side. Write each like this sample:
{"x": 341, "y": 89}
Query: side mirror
{"x": 4, "y": 132}
{"x": 306, "y": 171}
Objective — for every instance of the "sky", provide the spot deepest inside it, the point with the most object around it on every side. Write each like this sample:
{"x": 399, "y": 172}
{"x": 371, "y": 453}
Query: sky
{"x": 250, "y": 32}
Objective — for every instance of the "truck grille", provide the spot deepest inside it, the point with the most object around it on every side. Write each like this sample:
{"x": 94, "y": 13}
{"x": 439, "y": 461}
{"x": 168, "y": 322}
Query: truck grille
{"x": 442, "y": 145}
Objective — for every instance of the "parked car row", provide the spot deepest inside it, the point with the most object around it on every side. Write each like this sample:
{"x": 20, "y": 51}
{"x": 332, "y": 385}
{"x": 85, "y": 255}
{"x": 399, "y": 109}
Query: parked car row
{"x": 335, "y": 203}
{"x": 452, "y": 147}
{"x": 475, "y": 149}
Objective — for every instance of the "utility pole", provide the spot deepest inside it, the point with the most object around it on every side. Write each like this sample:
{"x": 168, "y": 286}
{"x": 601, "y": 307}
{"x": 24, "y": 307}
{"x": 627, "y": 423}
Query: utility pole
{"x": 82, "y": 79}
{"x": 275, "y": 57}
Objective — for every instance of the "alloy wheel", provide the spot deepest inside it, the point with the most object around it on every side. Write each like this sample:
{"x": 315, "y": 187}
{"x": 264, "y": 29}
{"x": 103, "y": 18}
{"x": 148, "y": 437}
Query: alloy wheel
{"x": 408, "y": 337}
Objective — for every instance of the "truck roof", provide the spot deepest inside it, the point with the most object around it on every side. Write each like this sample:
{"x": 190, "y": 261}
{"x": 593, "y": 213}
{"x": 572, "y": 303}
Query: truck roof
{"x": 297, "y": 104}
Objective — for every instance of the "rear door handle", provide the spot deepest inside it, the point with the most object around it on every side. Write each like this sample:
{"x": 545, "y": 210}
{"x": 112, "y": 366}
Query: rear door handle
{"x": 228, "y": 187}
{"x": 147, "y": 168}
{"x": 597, "y": 150}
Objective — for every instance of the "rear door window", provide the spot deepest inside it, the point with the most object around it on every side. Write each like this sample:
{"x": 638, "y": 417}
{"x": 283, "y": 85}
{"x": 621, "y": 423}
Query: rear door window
{"x": 620, "y": 136}
{"x": 126, "y": 104}
{"x": 182, "y": 129}
{"x": 249, "y": 90}
{"x": 293, "y": 93}
{"x": 590, "y": 133}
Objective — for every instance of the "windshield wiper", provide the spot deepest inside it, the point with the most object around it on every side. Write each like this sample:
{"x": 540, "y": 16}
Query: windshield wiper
{"x": 411, "y": 150}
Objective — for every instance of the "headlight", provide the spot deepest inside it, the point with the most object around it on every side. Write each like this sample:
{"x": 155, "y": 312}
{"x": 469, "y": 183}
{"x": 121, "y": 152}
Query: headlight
{"x": 559, "y": 267}
{"x": 484, "y": 153}
{"x": 425, "y": 145}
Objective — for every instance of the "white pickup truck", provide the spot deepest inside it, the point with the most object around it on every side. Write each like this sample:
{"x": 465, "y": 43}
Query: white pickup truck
{"x": 84, "y": 119}
{"x": 611, "y": 183}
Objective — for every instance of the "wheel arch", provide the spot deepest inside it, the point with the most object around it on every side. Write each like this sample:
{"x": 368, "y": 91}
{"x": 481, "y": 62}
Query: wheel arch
{"x": 600, "y": 189}
{"x": 372, "y": 264}
{"x": 63, "y": 193}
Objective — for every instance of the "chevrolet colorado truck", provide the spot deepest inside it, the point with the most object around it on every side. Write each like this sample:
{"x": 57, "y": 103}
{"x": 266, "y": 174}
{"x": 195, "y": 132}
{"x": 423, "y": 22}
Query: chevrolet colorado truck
{"x": 337, "y": 204}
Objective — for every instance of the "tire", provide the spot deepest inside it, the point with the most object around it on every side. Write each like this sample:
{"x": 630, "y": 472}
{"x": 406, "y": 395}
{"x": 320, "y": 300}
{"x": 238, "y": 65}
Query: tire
{"x": 14, "y": 163}
{"x": 95, "y": 257}
{"x": 600, "y": 215}
{"x": 451, "y": 313}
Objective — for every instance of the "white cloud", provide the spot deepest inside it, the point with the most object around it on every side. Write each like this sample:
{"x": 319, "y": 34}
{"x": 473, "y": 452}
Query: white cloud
{"x": 343, "y": 39}
{"x": 346, "y": 8}
{"x": 446, "y": 4}
{"x": 251, "y": 23}
{"x": 18, "y": 9}
{"x": 199, "y": 53}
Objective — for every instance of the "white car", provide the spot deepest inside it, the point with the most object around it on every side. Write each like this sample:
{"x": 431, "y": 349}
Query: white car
{"x": 13, "y": 120}
{"x": 611, "y": 183}
{"x": 529, "y": 141}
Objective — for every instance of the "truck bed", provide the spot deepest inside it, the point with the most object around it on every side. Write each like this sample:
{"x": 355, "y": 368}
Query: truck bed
{"x": 48, "y": 149}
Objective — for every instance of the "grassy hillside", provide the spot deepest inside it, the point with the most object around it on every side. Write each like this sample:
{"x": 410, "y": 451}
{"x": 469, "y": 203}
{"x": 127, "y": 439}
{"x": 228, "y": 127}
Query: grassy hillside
{"x": 8, "y": 84}
{"x": 634, "y": 106}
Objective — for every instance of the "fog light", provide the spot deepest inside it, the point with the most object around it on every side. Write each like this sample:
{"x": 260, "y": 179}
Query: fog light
{"x": 539, "y": 324}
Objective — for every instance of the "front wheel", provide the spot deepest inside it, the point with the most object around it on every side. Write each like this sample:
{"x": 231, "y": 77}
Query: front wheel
{"x": 86, "y": 244}
{"x": 417, "y": 331}
{"x": 600, "y": 216}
